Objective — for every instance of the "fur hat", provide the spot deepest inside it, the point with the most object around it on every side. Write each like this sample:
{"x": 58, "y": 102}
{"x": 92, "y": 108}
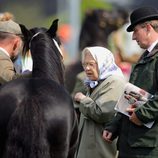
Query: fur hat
{"x": 141, "y": 15}
{"x": 10, "y": 27}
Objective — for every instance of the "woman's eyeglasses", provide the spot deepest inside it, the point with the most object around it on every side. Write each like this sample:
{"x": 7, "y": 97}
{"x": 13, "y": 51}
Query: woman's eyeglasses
{"x": 90, "y": 65}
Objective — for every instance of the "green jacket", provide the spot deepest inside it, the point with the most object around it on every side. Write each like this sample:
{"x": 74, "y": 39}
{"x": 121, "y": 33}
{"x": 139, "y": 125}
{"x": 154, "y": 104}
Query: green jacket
{"x": 140, "y": 141}
{"x": 96, "y": 110}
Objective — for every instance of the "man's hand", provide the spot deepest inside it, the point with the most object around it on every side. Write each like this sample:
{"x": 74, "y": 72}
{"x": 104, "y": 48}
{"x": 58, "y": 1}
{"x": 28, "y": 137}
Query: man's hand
{"x": 107, "y": 136}
{"x": 133, "y": 117}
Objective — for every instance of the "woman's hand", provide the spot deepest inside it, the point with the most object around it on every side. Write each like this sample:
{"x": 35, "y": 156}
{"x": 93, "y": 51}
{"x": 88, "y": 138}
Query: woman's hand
{"x": 79, "y": 96}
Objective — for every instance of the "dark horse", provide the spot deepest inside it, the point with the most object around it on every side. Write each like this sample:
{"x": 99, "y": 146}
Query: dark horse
{"x": 37, "y": 119}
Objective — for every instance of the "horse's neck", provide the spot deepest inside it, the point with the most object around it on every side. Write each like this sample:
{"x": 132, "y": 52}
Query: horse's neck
{"x": 47, "y": 73}
{"x": 40, "y": 73}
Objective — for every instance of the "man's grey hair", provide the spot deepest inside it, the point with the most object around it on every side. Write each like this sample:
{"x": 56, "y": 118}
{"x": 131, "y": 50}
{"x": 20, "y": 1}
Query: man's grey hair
{"x": 153, "y": 23}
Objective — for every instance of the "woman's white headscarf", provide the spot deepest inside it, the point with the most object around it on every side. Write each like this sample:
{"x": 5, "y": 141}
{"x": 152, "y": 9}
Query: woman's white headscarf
{"x": 105, "y": 61}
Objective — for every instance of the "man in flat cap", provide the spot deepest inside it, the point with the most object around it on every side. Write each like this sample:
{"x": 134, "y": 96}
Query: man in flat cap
{"x": 10, "y": 45}
{"x": 134, "y": 139}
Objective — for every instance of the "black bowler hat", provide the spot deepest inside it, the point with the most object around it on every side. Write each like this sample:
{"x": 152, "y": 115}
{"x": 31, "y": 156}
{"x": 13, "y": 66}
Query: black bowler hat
{"x": 141, "y": 15}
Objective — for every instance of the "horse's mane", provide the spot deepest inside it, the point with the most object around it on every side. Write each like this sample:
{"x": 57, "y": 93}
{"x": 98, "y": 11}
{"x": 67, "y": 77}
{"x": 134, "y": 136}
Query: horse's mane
{"x": 27, "y": 120}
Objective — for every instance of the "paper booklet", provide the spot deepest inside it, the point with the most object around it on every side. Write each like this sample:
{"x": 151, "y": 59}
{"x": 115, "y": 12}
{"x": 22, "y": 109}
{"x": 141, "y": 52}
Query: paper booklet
{"x": 133, "y": 95}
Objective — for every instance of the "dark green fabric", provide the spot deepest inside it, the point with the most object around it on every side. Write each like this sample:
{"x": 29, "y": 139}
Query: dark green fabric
{"x": 139, "y": 141}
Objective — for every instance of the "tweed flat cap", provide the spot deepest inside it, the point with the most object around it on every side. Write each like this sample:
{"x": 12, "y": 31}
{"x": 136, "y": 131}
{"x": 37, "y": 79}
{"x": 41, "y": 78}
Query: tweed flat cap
{"x": 10, "y": 27}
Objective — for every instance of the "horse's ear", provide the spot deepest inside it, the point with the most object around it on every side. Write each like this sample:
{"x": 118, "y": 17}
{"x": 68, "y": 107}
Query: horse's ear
{"x": 26, "y": 38}
{"x": 53, "y": 28}
{"x": 26, "y": 33}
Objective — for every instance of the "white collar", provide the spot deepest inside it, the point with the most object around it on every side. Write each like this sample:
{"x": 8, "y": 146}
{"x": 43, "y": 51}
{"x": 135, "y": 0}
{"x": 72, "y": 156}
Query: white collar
{"x": 2, "y": 49}
{"x": 152, "y": 46}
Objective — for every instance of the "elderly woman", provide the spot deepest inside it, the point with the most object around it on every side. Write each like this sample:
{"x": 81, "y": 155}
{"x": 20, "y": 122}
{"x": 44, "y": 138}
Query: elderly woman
{"x": 105, "y": 83}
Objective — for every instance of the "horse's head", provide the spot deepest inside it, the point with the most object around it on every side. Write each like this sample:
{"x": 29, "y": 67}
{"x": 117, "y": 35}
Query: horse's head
{"x": 29, "y": 34}
{"x": 45, "y": 51}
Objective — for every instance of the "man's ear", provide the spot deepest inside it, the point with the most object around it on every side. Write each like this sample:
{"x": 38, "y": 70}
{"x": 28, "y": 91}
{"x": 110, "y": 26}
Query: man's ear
{"x": 148, "y": 27}
{"x": 15, "y": 48}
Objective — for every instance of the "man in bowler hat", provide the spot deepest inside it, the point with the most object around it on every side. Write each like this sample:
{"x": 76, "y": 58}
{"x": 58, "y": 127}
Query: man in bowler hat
{"x": 134, "y": 139}
{"x": 10, "y": 45}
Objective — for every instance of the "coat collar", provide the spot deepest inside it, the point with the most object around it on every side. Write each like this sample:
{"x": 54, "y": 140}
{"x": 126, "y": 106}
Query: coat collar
{"x": 154, "y": 51}
{"x": 4, "y": 51}
{"x": 150, "y": 56}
